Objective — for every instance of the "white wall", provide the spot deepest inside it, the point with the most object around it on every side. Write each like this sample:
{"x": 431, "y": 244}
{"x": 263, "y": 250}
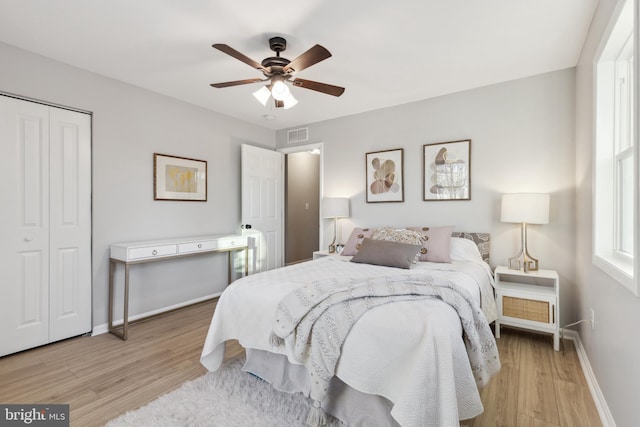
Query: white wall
{"x": 522, "y": 136}
{"x": 129, "y": 125}
{"x": 613, "y": 347}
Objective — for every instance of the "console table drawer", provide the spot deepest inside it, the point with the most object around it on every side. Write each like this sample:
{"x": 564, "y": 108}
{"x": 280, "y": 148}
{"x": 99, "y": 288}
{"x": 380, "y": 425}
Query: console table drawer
{"x": 151, "y": 252}
{"x": 205, "y": 245}
{"x": 232, "y": 242}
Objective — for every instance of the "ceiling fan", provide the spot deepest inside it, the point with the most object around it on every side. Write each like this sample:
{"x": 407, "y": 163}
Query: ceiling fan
{"x": 278, "y": 70}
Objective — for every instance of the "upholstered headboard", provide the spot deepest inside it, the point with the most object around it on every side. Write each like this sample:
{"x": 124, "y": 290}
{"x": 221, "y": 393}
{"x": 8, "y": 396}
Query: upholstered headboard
{"x": 480, "y": 239}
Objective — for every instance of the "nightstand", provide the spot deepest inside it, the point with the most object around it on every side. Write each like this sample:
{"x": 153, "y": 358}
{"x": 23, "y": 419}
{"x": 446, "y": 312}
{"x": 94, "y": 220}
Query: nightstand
{"x": 320, "y": 254}
{"x": 529, "y": 301}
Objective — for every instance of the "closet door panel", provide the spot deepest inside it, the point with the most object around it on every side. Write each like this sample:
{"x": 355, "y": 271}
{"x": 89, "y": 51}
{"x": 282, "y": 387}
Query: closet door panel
{"x": 31, "y": 322}
{"x": 70, "y": 223}
{"x": 24, "y": 225}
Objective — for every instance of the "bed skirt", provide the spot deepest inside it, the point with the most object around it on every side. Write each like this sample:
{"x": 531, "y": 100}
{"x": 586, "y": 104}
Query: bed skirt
{"x": 345, "y": 403}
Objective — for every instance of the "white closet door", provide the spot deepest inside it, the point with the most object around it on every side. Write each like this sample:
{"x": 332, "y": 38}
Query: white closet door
{"x": 70, "y": 224}
{"x": 45, "y": 224}
{"x": 24, "y": 225}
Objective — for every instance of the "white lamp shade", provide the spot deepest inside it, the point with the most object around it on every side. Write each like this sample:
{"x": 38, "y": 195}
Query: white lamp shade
{"x": 289, "y": 101}
{"x": 335, "y": 207}
{"x": 532, "y": 208}
{"x": 262, "y": 95}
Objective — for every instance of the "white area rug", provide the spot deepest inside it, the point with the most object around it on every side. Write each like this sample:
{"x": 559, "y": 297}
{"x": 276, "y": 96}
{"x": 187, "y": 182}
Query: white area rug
{"x": 225, "y": 398}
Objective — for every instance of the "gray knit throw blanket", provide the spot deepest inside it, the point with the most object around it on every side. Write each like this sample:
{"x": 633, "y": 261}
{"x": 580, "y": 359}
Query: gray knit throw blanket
{"x": 318, "y": 317}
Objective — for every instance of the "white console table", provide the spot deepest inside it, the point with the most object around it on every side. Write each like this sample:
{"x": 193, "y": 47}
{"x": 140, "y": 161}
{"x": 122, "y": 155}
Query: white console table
{"x": 157, "y": 250}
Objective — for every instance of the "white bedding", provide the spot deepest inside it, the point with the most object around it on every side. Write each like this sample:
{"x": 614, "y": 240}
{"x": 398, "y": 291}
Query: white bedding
{"x": 394, "y": 350}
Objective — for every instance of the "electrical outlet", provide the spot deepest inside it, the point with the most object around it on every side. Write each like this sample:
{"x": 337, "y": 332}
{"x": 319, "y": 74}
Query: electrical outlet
{"x": 593, "y": 319}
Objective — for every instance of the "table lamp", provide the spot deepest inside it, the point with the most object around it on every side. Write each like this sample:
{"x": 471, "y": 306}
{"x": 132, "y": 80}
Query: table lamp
{"x": 525, "y": 208}
{"x": 335, "y": 207}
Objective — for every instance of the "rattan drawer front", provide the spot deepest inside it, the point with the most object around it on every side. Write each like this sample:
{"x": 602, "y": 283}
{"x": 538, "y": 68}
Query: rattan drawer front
{"x": 537, "y": 311}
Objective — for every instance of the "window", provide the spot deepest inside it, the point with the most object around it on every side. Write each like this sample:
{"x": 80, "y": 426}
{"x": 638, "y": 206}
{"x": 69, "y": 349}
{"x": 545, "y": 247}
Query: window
{"x": 615, "y": 152}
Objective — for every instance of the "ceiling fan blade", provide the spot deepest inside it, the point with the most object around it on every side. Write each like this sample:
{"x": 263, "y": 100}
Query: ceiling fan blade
{"x": 314, "y": 55}
{"x": 319, "y": 87}
{"x": 239, "y": 56}
{"x": 236, "y": 83}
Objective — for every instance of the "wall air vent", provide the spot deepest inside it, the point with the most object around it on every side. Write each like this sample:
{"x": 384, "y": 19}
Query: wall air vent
{"x": 297, "y": 135}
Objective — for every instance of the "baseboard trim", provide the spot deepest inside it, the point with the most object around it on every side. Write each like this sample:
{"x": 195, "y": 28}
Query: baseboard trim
{"x": 596, "y": 393}
{"x": 104, "y": 328}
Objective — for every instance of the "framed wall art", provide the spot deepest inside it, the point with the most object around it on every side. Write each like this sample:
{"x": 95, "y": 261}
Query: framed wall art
{"x": 385, "y": 181}
{"x": 179, "y": 178}
{"x": 447, "y": 171}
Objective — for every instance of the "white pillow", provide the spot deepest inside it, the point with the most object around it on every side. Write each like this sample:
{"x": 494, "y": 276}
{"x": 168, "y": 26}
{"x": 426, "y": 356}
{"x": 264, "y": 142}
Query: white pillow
{"x": 463, "y": 249}
{"x": 399, "y": 235}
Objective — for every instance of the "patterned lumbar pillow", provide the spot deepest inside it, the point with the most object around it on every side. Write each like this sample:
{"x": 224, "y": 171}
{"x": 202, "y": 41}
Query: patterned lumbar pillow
{"x": 436, "y": 243}
{"x": 354, "y": 242}
{"x": 400, "y": 235}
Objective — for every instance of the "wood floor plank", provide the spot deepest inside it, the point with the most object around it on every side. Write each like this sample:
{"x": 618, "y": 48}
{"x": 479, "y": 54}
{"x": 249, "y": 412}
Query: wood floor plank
{"x": 500, "y": 400}
{"x": 578, "y": 410}
{"x": 102, "y": 377}
{"x": 525, "y": 420}
{"x": 566, "y": 365}
{"x": 502, "y": 391}
{"x": 116, "y": 402}
{"x": 536, "y": 394}
{"x": 36, "y": 388}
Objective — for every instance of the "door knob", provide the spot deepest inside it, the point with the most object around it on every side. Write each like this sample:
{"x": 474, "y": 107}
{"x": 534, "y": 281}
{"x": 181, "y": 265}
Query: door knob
{"x": 246, "y": 226}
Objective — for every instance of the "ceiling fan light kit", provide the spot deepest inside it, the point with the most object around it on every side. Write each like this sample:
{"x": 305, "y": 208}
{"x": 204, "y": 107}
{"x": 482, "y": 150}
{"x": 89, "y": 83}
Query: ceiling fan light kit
{"x": 279, "y": 90}
{"x": 278, "y": 71}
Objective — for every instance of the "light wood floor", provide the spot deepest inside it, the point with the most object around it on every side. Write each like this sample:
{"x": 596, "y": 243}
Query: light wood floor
{"x": 103, "y": 376}
{"x": 536, "y": 386}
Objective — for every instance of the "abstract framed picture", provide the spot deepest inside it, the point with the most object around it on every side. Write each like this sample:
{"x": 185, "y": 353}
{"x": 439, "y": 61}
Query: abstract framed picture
{"x": 385, "y": 181}
{"x": 447, "y": 171}
{"x": 179, "y": 178}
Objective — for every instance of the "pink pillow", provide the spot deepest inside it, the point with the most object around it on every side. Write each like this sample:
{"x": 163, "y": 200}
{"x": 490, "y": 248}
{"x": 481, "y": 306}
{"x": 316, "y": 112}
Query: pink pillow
{"x": 355, "y": 240}
{"x": 436, "y": 243}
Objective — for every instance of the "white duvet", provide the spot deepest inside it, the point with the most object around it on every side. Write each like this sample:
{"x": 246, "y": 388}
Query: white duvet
{"x": 410, "y": 352}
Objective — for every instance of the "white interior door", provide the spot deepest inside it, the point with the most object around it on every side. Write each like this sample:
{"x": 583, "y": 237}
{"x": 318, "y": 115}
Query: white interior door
{"x": 262, "y": 206}
{"x": 70, "y": 224}
{"x": 24, "y": 225}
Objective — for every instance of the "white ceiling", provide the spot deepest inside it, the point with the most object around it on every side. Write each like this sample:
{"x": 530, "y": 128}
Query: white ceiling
{"x": 384, "y": 53}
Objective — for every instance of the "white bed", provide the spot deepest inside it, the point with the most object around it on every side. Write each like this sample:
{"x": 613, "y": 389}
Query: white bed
{"x": 407, "y": 357}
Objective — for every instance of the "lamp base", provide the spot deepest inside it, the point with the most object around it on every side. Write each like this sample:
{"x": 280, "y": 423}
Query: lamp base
{"x": 332, "y": 246}
{"x": 524, "y": 261}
